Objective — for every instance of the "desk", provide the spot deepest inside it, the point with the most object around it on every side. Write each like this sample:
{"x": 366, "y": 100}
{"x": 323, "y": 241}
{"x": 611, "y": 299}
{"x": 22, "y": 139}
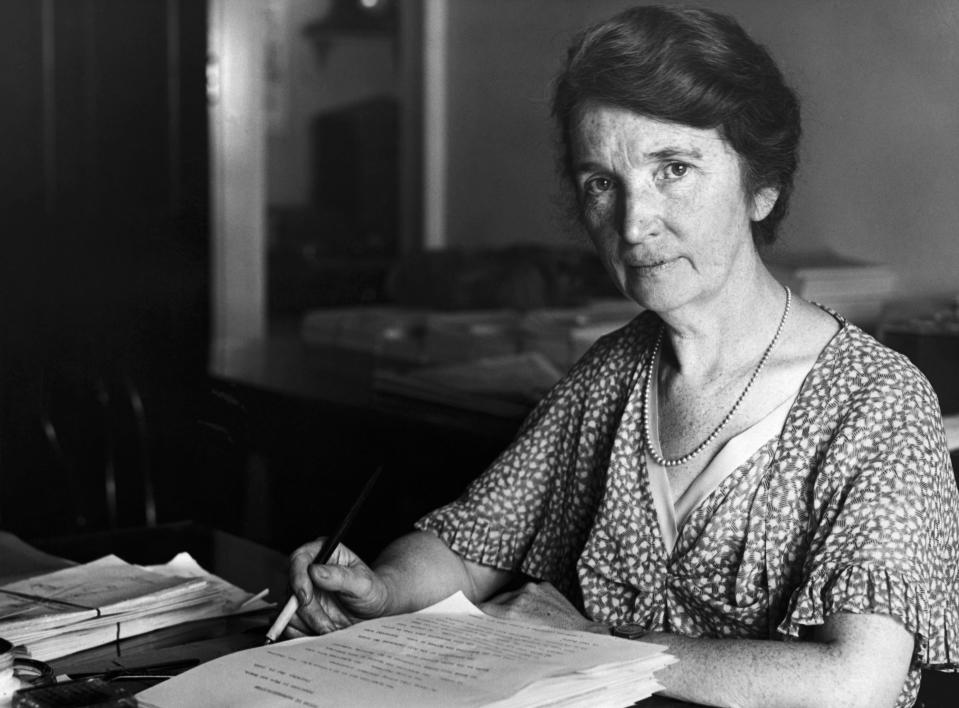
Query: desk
{"x": 316, "y": 427}
{"x": 244, "y": 563}
{"x": 283, "y": 363}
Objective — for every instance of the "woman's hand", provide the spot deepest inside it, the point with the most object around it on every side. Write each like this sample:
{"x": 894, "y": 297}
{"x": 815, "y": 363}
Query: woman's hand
{"x": 335, "y": 595}
{"x": 540, "y": 603}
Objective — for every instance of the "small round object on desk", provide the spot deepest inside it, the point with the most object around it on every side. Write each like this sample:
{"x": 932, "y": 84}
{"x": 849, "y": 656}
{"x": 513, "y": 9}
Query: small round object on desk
{"x": 33, "y": 672}
{"x": 9, "y": 683}
{"x": 629, "y": 630}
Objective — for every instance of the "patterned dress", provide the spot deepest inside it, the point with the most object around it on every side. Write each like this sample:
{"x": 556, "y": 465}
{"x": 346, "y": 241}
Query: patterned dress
{"x": 852, "y": 507}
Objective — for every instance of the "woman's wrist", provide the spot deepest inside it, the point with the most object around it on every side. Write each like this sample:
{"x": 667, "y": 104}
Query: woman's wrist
{"x": 391, "y": 602}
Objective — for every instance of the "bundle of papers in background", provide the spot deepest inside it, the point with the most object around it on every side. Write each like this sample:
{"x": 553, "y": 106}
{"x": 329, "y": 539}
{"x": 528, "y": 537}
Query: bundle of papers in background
{"x": 855, "y": 288}
{"x": 96, "y": 603}
{"x": 446, "y": 656}
{"x": 499, "y": 362}
{"x": 431, "y": 337}
{"x": 507, "y": 385}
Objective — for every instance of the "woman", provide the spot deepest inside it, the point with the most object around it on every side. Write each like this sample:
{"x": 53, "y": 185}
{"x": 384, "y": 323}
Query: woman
{"x": 734, "y": 470}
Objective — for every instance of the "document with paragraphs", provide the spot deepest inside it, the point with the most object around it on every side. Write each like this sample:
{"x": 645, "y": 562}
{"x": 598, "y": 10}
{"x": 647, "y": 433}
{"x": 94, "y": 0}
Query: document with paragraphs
{"x": 449, "y": 655}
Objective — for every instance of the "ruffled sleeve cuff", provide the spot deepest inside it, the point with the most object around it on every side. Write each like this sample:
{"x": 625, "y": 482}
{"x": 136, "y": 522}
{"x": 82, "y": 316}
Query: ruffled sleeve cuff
{"x": 474, "y": 538}
{"x": 863, "y": 589}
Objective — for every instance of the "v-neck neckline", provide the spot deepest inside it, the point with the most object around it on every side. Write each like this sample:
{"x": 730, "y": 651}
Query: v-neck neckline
{"x": 672, "y": 514}
{"x": 635, "y": 398}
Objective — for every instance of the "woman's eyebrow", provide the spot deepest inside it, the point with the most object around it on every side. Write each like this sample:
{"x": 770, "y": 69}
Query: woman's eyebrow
{"x": 668, "y": 153}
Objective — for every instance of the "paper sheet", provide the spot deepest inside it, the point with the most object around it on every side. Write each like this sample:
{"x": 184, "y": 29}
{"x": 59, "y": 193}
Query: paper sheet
{"x": 58, "y": 635}
{"x": 443, "y": 657}
{"x": 228, "y": 598}
{"x": 107, "y": 586}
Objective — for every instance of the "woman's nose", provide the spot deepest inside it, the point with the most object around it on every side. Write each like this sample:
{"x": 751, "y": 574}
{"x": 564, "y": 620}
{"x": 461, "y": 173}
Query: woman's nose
{"x": 640, "y": 216}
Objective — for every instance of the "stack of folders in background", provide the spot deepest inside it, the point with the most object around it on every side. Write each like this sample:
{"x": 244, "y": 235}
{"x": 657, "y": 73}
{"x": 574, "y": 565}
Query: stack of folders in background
{"x": 855, "y": 288}
{"x": 84, "y": 606}
{"x": 382, "y": 330}
{"x": 430, "y": 337}
{"x": 500, "y": 362}
{"x": 507, "y": 385}
{"x": 564, "y": 334}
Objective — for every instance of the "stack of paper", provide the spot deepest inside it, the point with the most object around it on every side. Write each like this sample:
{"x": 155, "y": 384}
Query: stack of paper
{"x": 451, "y": 655}
{"x": 382, "y": 330}
{"x": 506, "y": 385}
{"x": 856, "y": 289}
{"x": 76, "y": 608}
{"x": 458, "y": 336}
{"x": 439, "y": 337}
{"x": 563, "y": 335}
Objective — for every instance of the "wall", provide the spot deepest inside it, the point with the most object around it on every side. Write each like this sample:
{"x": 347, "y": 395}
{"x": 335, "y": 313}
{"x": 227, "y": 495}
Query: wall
{"x": 880, "y": 161}
{"x": 307, "y": 84}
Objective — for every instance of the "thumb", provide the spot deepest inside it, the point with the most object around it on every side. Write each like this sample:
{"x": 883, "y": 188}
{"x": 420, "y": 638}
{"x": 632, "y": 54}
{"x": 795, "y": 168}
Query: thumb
{"x": 355, "y": 582}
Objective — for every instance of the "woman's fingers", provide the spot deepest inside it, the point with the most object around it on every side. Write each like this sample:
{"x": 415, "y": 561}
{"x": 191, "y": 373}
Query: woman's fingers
{"x": 350, "y": 581}
{"x": 300, "y": 561}
{"x": 338, "y": 618}
{"x": 335, "y": 594}
{"x": 358, "y": 590}
{"x": 320, "y": 616}
{"x": 294, "y": 632}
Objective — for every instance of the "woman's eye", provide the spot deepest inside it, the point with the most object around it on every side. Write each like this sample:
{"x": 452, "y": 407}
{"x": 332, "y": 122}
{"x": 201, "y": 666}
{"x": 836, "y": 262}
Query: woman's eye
{"x": 597, "y": 185}
{"x": 675, "y": 170}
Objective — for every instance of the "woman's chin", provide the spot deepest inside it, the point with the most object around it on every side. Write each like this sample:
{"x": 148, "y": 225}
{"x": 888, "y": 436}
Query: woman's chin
{"x": 656, "y": 294}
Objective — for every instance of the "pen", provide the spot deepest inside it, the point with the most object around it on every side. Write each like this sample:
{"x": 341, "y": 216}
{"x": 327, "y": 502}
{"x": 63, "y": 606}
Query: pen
{"x": 253, "y": 598}
{"x": 157, "y": 671}
{"x": 286, "y": 614}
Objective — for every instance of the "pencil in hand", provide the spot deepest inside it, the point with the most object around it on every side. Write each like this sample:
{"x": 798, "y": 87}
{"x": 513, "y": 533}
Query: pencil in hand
{"x": 291, "y": 606}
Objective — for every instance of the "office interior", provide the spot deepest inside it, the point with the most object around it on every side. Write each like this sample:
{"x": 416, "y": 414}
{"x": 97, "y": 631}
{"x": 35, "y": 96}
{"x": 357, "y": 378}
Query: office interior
{"x": 186, "y": 183}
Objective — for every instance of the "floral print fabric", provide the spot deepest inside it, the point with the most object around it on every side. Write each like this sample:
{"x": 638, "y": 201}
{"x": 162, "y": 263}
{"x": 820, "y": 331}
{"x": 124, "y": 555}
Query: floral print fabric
{"x": 853, "y": 508}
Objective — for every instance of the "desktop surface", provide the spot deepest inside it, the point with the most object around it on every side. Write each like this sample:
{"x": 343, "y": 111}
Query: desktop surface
{"x": 244, "y": 563}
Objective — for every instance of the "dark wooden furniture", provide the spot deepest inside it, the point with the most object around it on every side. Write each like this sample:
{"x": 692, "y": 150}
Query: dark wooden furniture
{"x": 315, "y": 427}
{"x": 104, "y": 268}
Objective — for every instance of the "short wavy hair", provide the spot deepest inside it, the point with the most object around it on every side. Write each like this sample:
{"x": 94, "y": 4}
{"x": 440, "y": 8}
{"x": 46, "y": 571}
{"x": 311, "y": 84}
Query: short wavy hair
{"x": 696, "y": 67}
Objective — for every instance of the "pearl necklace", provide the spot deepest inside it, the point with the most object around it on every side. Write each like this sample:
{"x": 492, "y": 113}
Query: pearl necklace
{"x": 648, "y": 392}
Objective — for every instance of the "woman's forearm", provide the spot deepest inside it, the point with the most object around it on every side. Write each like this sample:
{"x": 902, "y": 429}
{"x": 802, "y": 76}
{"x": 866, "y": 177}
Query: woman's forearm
{"x": 857, "y": 660}
{"x": 853, "y": 660}
{"x": 420, "y": 569}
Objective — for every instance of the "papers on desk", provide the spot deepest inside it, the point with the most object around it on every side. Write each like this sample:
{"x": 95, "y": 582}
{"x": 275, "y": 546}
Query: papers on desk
{"x": 449, "y": 655}
{"x": 109, "y": 599}
{"x": 508, "y": 385}
{"x": 857, "y": 289}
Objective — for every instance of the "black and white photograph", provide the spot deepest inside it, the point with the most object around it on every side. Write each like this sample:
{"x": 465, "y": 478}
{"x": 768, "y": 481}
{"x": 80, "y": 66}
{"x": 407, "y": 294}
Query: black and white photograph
{"x": 507, "y": 353}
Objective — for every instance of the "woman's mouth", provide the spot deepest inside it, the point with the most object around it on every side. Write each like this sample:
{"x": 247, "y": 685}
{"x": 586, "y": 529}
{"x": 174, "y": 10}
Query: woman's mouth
{"x": 651, "y": 267}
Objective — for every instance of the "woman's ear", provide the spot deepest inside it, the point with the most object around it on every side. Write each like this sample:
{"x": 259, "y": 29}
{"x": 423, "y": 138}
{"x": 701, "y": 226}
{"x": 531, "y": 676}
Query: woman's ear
{"x": 763, "y": 203}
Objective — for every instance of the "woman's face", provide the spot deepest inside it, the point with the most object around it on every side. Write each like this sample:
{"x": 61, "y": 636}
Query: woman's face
{"x": 664, "y": 205}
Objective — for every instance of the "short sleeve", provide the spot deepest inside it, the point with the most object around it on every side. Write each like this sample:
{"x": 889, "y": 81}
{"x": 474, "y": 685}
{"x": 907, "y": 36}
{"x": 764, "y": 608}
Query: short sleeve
{"x": 884, "y": 534}
{"x": 531, "y": 511}
{"x": 494, "y": 519}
